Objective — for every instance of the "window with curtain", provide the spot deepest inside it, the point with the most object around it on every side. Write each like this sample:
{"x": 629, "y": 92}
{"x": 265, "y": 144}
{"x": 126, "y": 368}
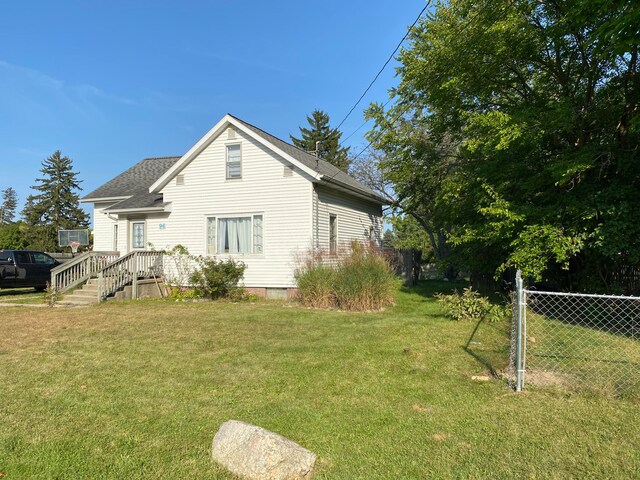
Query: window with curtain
{"x": 235, "y": 235}
{"x": 137, "y": 235}
{"x": 234, "y": 162}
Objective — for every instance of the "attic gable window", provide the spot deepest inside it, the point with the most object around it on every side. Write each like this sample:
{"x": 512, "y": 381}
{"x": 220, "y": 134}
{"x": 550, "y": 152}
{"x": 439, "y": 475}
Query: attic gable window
{"x": 234, "y": 162}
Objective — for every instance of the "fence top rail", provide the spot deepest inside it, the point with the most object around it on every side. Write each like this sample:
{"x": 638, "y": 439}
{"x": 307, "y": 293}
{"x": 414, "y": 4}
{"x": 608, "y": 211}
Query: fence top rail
{"x": 587, "y": 295}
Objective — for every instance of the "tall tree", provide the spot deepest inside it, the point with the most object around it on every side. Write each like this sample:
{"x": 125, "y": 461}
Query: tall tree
{"x": 329, "y": 138}
{"x": 539, "y": 102}
{"x": 56, "y": 207}
{"x": 8, "y": 207}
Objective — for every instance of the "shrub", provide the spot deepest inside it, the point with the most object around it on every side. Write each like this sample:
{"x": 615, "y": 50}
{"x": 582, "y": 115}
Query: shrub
{"x": 316, "y": 286}
{"x": 51, "y": 295}
{"x": 471, "y": 306}
{"x": 360, "y": 280}
{"x": 182, "y": 293}
{"x": 365, "y": 280}
{"x": 218, "y": 279}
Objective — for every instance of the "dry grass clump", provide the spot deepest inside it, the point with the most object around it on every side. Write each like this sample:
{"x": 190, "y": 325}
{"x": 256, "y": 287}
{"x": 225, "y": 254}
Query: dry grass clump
{"x": 359, "y": 280}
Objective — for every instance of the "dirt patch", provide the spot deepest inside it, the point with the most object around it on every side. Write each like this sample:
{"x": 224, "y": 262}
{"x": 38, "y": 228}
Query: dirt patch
{"x": 543, "y": 378}
{"x": 440, "y": 437}
{"x": 421, "y": 408}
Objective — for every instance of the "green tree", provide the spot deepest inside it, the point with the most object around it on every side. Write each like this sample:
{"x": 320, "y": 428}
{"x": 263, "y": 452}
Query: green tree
{"x": 13, "y": 236}
{"x": 8, "y": 207}
{"x": 56, "y": 207}
{"x": 329, "y": 138}
{"x": 516, "y": 132}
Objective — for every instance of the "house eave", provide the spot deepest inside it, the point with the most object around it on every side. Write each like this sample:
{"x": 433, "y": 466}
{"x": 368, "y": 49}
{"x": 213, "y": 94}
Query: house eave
{"x": 103, "y": 199}
{"x": 139, "y": 210}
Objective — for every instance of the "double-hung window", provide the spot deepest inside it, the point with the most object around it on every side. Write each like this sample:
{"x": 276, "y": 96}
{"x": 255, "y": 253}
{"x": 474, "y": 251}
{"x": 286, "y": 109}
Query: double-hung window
{"x": 333, "y": 234}
{"x": 235, "y": 235}
{"x": 234, "y": 162}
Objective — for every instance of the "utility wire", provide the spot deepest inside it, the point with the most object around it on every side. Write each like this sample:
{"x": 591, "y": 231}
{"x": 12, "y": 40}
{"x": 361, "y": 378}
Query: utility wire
{"x": 363, "y": 124}
{"x": 404, "y": 110}
{"x": 385, "y": 63}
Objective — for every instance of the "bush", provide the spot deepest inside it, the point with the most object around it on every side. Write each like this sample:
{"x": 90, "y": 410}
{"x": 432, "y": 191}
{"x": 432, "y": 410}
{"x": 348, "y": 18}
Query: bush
{"x": 218, "y": 279}
{"x": 182, "y": 293}
{"x": 316, "y": 286}
{"x": 471, "y": 306}
{"x": 361, "y": 280}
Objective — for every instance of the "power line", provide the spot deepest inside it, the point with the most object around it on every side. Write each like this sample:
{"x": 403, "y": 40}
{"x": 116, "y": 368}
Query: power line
{"x": 385, "y": 63}
{"x": 404, "y": 110}
{"x": 363, "y": 124}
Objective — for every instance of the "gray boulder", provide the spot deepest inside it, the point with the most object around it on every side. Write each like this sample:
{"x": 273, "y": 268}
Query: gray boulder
{"x": 258, "y": 454}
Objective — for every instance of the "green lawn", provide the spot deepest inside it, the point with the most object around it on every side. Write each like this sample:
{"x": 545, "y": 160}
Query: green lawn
{"x": 138, "y": 389}
{"x": 21, "y": 295}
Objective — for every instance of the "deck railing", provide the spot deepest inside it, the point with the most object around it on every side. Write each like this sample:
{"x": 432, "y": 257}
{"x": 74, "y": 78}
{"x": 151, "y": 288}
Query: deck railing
{"x": 127, "y": 270}
{"x": 80, "y": 269}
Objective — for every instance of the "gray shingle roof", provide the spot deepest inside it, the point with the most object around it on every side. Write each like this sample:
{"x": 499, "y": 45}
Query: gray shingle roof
{"x": 136, "y": 180}
{"x": 323, "y": 167}
{"x": 141, "y": 200}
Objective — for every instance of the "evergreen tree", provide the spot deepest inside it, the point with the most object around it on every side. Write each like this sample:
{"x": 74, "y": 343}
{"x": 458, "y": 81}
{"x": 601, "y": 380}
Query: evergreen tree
{"x": 8, "y": 207}
{"x": 329, "y": 138}
{"x": 56, "y": 206}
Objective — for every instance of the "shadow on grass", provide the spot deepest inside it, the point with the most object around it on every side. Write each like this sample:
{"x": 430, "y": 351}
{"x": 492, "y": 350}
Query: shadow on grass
{"x": 489, "y": 349}
{"x": 427, "y": 288}
{"x": 484, "y": 361}
{"x": 13, "y": 292}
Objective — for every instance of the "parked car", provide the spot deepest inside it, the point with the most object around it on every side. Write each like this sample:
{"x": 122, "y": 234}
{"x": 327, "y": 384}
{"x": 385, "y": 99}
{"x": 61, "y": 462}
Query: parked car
{"x": 25, "y": 268}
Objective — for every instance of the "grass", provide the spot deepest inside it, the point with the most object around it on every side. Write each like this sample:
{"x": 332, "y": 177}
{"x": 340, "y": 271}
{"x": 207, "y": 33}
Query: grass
{"x": 138, "y": 389}
{"x": 21, "y": 295}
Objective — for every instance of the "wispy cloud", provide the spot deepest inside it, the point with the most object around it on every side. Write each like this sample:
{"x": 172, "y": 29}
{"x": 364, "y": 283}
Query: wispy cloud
{"x": 29, "y": 85}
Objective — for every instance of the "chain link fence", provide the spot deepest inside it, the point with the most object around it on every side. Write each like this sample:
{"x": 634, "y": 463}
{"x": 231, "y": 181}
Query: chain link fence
{"x": 576, "y": 341}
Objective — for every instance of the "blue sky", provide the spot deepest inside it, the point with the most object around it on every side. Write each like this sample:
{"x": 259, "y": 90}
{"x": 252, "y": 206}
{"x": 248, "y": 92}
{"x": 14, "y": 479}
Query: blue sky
{"x": 109, "y": 82}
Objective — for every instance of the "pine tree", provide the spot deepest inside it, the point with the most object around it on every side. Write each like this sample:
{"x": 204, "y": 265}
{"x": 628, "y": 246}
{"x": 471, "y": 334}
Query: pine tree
{"x": 329, "y": 138}
{"x": 56, "y": 206}
{"x": 8, "y": 207}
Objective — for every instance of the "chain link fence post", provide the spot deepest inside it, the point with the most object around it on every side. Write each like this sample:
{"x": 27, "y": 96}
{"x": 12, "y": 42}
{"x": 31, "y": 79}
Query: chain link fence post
{"x": 520, "y": 327}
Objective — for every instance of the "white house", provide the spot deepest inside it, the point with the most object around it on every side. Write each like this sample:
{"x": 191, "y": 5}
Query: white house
{"x": 239, "y": 193}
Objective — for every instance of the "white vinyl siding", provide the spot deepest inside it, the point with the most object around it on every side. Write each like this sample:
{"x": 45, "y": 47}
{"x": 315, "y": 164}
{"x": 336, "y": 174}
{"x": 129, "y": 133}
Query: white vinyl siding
{"x": 103, "y": 228}
{"x": 283, "y": 202}
{"x": 356, "y": 219}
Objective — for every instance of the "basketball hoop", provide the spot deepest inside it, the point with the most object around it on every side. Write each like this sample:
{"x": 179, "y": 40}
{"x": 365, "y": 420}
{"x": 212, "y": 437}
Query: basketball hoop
{"x": 74, "y": 247}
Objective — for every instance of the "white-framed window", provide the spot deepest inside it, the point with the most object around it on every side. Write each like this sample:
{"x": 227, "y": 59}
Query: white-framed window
{"x": 241, "y": 234}
{"x": 333, "y": 234}
{"x": 137, "y": 234}
{"x": 115, "y": 237}
{"x": 234, "y": 161}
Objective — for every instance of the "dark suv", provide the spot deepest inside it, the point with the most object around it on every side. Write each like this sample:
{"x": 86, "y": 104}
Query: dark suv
{"x": 25, "y": 268}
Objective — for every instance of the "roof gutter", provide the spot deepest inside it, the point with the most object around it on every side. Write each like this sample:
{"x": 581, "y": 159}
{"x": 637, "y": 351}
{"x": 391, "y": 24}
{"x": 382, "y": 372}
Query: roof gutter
{"x": 103, "y": 199}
